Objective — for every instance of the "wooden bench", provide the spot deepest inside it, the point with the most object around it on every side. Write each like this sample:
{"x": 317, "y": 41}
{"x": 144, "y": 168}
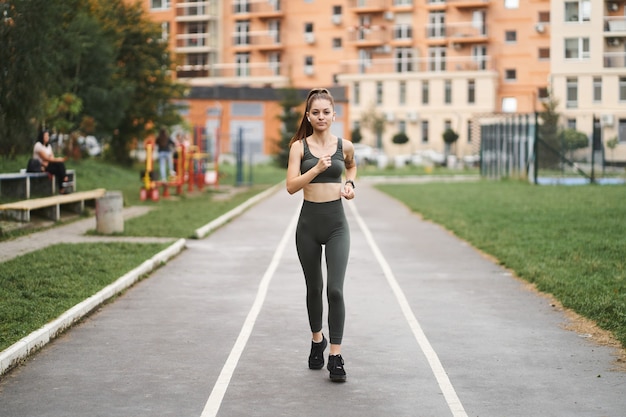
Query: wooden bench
{"x": 26, "y": 184}
{"x": 50, "y": 207}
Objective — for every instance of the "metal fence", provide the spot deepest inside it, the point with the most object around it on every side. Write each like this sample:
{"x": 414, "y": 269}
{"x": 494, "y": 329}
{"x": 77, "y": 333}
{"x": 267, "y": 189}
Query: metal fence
{"x": 519, "y": 146}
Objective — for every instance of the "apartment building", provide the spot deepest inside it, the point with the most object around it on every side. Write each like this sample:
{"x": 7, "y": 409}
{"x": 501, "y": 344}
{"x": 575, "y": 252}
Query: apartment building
{"x": 423, "y": 65}
{"x": 588, "y": 68}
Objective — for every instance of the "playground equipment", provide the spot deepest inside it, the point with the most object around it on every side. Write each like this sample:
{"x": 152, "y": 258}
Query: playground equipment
{"x": 189, "y": 164}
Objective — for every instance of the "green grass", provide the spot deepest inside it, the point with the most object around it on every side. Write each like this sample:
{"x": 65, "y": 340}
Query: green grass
{"x": 569, "y": 241}
{"x": 37, "y": 287}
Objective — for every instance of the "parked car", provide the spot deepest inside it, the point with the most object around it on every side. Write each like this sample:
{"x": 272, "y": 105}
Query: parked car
{"x": 428, "y": 156}
{"x": 365, "y": 154}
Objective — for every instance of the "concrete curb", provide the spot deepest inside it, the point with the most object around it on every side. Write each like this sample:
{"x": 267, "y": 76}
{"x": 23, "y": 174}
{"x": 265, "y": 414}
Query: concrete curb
{"x": 226, "y": 217}
{"x": 20, "y": 350}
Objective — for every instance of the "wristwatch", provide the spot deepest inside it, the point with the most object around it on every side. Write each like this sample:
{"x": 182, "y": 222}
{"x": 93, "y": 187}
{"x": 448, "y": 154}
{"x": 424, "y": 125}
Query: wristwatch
{"x": 351, "y": 183}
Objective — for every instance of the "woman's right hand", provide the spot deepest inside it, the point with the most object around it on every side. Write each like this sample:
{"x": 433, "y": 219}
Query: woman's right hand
{"x": 323, "y": 163}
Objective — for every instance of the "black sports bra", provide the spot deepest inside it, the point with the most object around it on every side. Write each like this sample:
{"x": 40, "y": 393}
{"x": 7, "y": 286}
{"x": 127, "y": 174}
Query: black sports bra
{"x": 334, "y": 171}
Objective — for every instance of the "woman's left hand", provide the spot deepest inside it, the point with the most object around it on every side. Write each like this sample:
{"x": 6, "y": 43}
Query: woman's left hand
{"x": 347, "y": 192}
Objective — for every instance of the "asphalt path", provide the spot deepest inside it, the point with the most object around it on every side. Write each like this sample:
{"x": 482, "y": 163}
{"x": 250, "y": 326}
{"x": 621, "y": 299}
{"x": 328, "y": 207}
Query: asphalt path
{"x": 433, "y": 329}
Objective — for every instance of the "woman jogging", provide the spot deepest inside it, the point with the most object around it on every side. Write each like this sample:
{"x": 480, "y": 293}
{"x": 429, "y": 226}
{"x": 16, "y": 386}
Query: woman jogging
{"x": 317, "y": 160}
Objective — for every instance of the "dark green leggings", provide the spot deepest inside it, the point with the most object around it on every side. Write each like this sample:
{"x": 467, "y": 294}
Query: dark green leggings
{"x": 324, "y": 224}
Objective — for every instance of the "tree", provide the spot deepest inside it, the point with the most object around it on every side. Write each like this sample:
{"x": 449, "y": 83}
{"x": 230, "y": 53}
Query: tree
{"x": 29, "y": 66}
{"x": 400, "y": 138}
{"x": 547, "y": 156}
{"x": 290, "y": 118}
{"x": 612, "y": 144}
{"x": 449, "y": 138}
{"x": 573, "y": 139}
{"x": 374, "y": 121}
{"x": 143, "y": 66}
{"x": 356, "y": 135}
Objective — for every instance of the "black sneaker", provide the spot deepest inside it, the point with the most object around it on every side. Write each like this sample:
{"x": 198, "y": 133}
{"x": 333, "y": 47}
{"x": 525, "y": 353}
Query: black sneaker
{"x": 335, "y": 366}
{"x": 316, "y": 358}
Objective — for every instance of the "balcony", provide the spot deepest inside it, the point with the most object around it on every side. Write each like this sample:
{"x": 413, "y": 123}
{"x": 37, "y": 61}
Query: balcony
{"x": 466, "y": 32}
{"x": 615, "y": 24}
{"x": 368, "y": 6}
{"x": 615, "y": 60}
{"x": 417, "y": 65}
{"x": 195, "y": 43}
{"x": 249, "y": 74}
{"x": 266, "y": 9}
{"x": 266, "y": 41}
{"x": 200, "y": 11}
{"x": 436, "y": 5}
{"x": 469, "y": 4}
{"x": 372, "y": 36}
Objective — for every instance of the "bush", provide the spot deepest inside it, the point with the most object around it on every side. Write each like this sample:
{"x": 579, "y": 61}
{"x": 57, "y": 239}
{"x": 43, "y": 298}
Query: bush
{"x": 400, "y": 138}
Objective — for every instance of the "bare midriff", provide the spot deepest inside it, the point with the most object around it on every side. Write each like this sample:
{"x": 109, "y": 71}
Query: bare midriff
{"x": 322, "y": 192}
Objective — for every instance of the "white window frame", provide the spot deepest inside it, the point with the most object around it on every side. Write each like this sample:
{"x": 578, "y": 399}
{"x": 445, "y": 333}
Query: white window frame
{"x": 582, "y": 50}
{"x": 163, "y": 5}
{"x": 511, "y": 4}
{"x": 582, "y": 8}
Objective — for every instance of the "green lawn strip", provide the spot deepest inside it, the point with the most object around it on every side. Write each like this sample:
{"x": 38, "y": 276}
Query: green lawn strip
{"x": 180, "y": 217}
{"x": 569, "y": 241}
{"x": 38, "y": 287}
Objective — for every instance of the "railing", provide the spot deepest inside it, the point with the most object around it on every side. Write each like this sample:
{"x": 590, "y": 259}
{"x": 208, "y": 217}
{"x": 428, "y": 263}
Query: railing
{"x": 265, "y": 7}
{"x": 367, "y": 4}
{"x": 466, "y": 30}
{"x": 407, "y": 65}
{"x": 195, "y": 40}
{"x": 235, "y": 70}
{"x": 204, "y": 8}
{"x": 615, "y": 24}
{"x": 615, "y": 60}
{"x": 374, "y": 34}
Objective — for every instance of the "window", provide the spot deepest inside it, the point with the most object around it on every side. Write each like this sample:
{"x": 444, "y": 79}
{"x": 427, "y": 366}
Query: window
{"x": 621, "y": 132}
{"x": 242, "y": 29}
{"x": 402, "y": 2}
{"x": 308, "y": 27}
{"x": 241, "y": 6}
{"x": 447, "y": 92}
{"x": 357, "y": 93}
{"x": 471, "y": 91}
{"x": 447, "y": 124}
{"x": 402, "y": 93}
{"x": 337, "y": 43}
{"x": 510, "y": 75}
{"x": 273, "y": 29}
{"x": 577, "y": 48}
{"x": 571, "y": 124}
{"x": 543, "y": 93}
{"x": 403, "y": 31}
{"x": 509, "y": 105}
{"x": 510, "y": 36}
{"x": 404, "y": 59}
{"x": 424, "y": 129}
{"x": 469, "y": 131}
{"x": 544, "y": 54}
{"x": 622, "y": 90}
{"x": 572, "y": 92}
{"x": 479, "y": 56}
{"x": 165, "y": 31}
{"x": 379, "y": 92}
{"x": 425, "y": 92}
{"x": 543, "y": 17}
{"x": 437, "y": 58}
{"x": 273, "y": 61}
{"x": 597, "y": 89}
{"x": 337, "y": 11}
{"x": 402, "y": 126}
{"x": 578, "y": 11}
{"x": 308, "y": 65}
{"x": 436, "y": 25}
{"x": 159, "y": 4}
{"x": 511, "y": 4}
{"x": 242, "y": 62}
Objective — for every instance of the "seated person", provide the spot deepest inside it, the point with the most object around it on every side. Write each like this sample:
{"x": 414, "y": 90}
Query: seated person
{"x": 49, "y": 163}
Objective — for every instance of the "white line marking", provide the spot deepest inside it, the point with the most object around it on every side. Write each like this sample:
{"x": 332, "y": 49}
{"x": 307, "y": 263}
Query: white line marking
{"x": 221, "y": 385}
{"x": 435, "y": 364}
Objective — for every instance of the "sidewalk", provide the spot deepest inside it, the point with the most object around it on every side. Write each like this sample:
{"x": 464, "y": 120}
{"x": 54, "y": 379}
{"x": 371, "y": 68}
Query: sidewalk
{"x": 433, "y": 329}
